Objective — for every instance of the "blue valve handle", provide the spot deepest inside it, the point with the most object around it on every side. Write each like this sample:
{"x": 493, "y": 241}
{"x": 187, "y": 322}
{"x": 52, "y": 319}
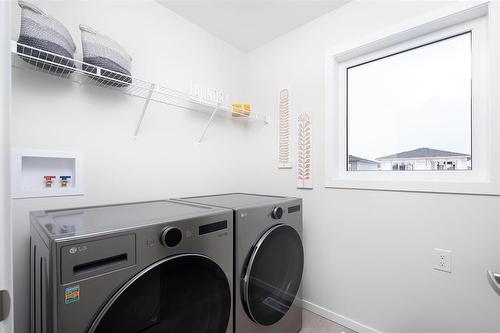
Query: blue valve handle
{"x": 65, "y": 177}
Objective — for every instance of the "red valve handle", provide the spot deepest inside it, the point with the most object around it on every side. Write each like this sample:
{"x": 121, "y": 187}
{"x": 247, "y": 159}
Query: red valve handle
{"x": 49, "y": 177}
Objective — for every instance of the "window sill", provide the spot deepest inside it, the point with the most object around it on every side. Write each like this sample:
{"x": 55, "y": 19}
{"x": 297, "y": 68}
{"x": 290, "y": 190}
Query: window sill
{"x": 462, "y": 187}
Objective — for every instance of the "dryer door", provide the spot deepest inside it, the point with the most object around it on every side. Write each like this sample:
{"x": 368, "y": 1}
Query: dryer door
{"x": 185, "y": 293}
{"x": 273, "y": 275}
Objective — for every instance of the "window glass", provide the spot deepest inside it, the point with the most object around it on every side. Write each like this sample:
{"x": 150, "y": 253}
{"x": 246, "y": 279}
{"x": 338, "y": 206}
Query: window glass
{"x": 411, "y": 111}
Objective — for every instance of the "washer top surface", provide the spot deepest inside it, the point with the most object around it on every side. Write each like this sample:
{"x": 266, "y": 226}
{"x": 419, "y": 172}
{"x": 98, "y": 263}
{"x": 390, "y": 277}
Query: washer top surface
{"x": 93, "y": 220}
{"x": 236, "y": 200}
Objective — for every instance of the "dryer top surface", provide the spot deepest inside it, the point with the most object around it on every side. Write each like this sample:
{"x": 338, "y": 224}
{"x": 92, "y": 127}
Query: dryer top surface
{"x": 236, "y": 200}
{"x": 101, "y": 219}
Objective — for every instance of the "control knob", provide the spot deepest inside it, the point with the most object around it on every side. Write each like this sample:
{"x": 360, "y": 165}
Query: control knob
{"x": 171, "y": 236}
{"x": 277, "y": 213}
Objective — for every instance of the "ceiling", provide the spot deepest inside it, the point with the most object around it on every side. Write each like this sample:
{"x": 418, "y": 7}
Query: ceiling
{"x": 249, "y": 24}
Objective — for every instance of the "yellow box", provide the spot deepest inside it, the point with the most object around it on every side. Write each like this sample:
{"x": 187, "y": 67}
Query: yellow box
{"x": 241, "y": 110}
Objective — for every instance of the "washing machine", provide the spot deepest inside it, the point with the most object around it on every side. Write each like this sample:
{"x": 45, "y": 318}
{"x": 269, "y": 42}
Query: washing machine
{"x": 269, "y": 260}
{"x": 150, "y": 267}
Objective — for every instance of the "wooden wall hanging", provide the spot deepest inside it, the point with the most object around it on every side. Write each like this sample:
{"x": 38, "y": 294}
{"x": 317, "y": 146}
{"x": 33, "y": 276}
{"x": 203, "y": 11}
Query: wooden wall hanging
{"x": 284, "y": 150}
{"x": 304, "y": 151}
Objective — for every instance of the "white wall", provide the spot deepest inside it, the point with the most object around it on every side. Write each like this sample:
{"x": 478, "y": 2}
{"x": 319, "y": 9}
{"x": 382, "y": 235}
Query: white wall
{"x": 166, "y": 159}
{"x": 5, "y": 210}
{"x": 368, "y": 253}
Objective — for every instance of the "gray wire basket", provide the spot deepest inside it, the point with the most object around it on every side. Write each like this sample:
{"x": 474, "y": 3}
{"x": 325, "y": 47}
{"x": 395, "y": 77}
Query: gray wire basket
{"x": 104, "y": 52}
{"x": 45, "y": 33}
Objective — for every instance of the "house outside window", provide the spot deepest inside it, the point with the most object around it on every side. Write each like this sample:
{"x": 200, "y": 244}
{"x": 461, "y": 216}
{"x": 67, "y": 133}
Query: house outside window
{"x": 356, "y": 163}
{"x": 425, "y": 159}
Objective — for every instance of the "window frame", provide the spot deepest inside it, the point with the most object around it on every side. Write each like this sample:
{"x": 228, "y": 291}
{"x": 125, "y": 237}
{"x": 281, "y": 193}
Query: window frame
{"x": 453, "y": 21}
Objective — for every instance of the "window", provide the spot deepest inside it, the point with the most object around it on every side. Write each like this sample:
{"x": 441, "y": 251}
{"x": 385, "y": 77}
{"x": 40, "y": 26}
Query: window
{"x": 410, "y": 109}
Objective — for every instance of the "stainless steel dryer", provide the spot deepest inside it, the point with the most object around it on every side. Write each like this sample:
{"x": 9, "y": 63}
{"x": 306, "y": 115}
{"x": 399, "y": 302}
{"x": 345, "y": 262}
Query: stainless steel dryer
{"x": 150, "y": 267}
{"x": 269, "y": 261}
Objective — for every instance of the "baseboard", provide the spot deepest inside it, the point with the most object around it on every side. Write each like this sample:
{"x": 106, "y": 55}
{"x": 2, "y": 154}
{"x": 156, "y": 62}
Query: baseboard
{"x": 338, "y": 318}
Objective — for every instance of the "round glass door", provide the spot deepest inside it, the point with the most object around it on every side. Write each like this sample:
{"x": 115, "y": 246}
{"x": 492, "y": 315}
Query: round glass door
{"x": 186, "y": 293}
{"x": 273, "y": 275}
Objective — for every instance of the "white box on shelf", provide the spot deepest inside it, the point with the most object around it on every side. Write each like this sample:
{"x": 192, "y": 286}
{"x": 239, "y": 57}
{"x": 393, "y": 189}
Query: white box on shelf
{"x": 33, "y": 169}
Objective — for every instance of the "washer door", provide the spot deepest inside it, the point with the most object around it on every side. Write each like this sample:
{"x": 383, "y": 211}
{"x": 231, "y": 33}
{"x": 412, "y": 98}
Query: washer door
{"x": 273, "y": 275}
{"x": 185, "y": 293}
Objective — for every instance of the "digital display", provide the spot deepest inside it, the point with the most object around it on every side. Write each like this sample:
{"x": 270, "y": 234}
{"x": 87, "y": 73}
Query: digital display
{"x": 294, "y": 209}
{"x": 212, "y": 227}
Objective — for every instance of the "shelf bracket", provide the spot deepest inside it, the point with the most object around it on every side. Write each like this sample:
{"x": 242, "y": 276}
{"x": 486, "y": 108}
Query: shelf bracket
{"x": 146, "y": 104}
{"x": 208, "y": 123}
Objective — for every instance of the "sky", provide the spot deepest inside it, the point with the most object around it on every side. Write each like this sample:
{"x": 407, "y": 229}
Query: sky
{"x": 419, "y": 98}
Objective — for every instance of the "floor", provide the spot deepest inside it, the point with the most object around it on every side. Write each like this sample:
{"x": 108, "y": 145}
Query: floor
{"x": 312, "y": 323}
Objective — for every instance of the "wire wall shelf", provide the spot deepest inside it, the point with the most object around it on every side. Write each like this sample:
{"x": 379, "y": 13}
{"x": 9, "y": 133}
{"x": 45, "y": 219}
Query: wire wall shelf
{"x": 31, "y": 58}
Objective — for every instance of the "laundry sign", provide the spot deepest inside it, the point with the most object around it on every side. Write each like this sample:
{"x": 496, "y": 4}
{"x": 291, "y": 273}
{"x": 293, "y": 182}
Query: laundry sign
{"x": 208, "y": 95}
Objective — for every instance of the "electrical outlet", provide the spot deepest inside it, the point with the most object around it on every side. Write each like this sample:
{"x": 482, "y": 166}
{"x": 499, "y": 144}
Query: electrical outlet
{"x": 442, "y": 260}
